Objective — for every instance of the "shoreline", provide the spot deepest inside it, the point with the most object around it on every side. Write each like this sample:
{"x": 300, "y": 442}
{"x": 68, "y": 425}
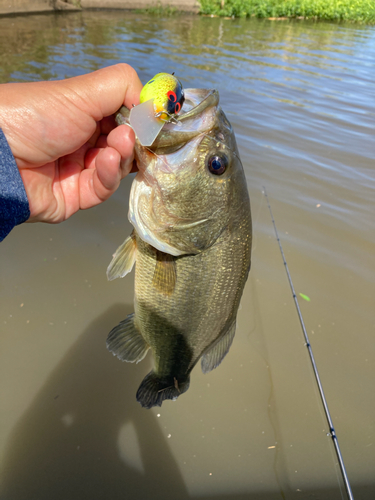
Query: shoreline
{"x": 273, "y": 10}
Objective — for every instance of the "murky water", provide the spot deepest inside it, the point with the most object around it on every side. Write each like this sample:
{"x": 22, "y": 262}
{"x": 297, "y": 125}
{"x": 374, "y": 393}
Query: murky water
{"x": 301, "y": 99}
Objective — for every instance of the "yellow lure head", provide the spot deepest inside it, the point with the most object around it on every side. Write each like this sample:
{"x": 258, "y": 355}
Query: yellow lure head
{"x": 167, "y": 92}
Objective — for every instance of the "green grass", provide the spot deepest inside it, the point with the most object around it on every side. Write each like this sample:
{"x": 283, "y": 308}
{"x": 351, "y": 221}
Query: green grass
{"x": 362, "y": 11}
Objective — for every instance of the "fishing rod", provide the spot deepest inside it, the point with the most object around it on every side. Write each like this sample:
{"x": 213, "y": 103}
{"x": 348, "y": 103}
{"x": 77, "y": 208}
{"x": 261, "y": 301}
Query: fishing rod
{"x": 332, "y": 432}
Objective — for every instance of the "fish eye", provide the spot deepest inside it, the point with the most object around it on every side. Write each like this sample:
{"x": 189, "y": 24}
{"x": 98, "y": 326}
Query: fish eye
{"x": 217, "y": 164}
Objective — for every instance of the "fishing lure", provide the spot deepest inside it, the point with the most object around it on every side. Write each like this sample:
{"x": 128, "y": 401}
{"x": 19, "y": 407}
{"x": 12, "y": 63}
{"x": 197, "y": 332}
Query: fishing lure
{"x": 161, "y": 100}
{"x": 168, "y": 95}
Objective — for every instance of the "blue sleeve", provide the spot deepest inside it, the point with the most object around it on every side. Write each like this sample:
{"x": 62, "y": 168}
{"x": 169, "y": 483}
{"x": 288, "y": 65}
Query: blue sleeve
{"x": 14, "y": 205}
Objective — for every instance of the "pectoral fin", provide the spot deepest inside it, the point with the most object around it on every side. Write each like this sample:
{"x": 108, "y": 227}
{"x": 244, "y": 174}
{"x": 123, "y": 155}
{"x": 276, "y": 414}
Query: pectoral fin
{"x": 126, "y": 342}
{"x": 123, "y": 260}
{"x": 165, "y": 273}
{"x": 216, "y": 354}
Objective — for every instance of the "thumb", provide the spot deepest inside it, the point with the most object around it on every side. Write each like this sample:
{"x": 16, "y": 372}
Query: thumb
{"x": 104, "y": 91}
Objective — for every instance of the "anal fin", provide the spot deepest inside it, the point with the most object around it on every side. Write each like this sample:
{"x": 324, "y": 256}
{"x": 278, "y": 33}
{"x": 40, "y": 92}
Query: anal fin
{"x": 123, "y": 260}
{"x": 215, "y": 355}
{"x": 125, "y": 341}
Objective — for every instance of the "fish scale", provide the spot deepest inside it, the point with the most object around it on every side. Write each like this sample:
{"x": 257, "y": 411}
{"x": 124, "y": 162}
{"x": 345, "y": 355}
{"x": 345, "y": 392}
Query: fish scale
{"x": 191, "y": 246}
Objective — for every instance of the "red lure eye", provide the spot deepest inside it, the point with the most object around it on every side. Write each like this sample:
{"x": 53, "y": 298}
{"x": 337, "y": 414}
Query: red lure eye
{"x": 172, "y": 96}
{"x": 177, "y": 107}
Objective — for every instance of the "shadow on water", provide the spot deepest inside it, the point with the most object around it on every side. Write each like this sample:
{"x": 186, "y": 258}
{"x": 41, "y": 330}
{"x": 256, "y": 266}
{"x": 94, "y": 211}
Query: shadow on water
{"x": 66, "y": 445}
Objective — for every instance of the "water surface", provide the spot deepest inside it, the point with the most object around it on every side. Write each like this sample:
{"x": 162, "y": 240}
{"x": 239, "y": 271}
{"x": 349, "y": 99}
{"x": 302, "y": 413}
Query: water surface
{"x": 300, "y": 97}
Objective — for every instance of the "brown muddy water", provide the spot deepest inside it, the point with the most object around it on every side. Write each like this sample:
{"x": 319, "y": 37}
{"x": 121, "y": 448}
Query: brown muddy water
{"x": 300, "y": 97}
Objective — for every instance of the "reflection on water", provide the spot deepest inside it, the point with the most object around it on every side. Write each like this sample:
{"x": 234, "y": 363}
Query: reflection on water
{"x": 301, "y": 99}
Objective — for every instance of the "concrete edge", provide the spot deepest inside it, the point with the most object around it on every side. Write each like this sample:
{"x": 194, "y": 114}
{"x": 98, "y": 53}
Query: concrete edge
{"x": 9, "y": 7}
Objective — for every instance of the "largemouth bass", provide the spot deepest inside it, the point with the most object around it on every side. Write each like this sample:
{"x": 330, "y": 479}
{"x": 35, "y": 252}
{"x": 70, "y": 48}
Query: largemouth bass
{"x": 191, "y": 246}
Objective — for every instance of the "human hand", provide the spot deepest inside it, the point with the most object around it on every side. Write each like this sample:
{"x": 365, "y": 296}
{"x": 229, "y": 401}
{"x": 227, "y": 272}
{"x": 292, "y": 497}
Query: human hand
{"x": 67, "y": 147}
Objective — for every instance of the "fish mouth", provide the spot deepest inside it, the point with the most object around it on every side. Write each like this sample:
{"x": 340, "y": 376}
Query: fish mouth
{"x": 197, "y": 117}
{"x": 197, "y": 101}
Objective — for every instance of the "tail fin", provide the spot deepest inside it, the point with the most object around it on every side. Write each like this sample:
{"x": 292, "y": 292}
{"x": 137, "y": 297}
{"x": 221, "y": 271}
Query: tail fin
{"x": 154, "y": 390}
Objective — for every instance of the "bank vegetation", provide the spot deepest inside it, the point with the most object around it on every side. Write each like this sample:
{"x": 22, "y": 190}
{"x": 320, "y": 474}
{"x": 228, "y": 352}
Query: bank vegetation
{"x": 362, "y": 11}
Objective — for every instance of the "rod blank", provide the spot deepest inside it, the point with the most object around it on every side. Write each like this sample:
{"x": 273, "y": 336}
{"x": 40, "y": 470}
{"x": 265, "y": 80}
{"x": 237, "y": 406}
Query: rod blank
{"x": 312, "y": 359}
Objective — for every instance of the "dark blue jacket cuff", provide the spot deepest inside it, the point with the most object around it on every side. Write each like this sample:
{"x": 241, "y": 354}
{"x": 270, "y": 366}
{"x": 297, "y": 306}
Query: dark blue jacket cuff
{"x": 14, "y": 205}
